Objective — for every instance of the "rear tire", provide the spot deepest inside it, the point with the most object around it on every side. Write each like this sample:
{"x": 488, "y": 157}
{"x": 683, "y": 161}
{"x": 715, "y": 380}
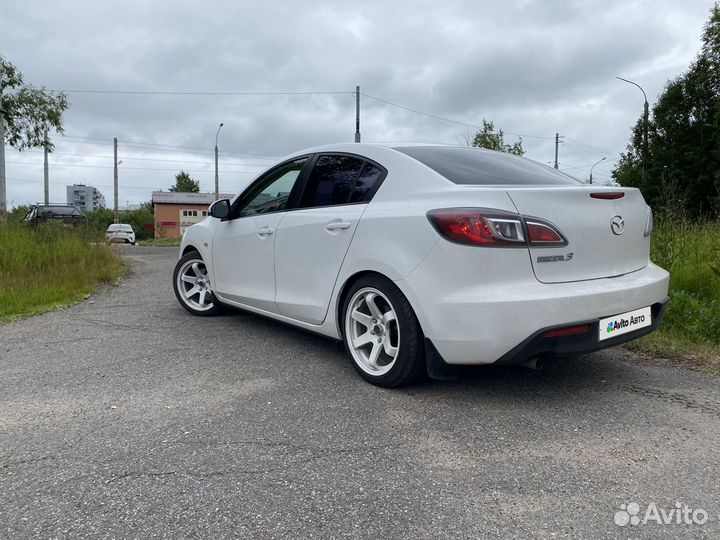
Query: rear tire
{"x": 382, "y": 334}
{"x": 193, "y": 288}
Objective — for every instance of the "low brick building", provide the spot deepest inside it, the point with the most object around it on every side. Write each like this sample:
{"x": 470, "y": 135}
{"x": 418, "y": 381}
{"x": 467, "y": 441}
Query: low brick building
{"x": 175, "y": 211}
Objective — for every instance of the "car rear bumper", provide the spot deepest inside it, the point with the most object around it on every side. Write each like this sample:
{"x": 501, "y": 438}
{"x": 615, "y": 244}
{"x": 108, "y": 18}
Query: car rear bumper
{"x": 505, "y": 323}
{"x": 540, "y": 343}
{"x": 119, "y": 238}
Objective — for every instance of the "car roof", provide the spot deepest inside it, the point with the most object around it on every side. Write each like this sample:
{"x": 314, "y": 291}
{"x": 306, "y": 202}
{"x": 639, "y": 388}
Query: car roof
{"x": 59, "y": 211}
{"x": 357, "y": 148}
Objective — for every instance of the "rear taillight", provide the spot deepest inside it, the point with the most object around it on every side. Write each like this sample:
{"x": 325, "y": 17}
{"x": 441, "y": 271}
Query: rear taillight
{"x": 494, "y": 228}
{"x": 476, "y": 228}
{"x": 544, "y": 234}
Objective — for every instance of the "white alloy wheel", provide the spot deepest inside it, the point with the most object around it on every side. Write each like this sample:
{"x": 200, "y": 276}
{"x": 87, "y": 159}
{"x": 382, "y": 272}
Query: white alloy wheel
{"x": 372, "y": 330}
{"x": 192, "y": 285}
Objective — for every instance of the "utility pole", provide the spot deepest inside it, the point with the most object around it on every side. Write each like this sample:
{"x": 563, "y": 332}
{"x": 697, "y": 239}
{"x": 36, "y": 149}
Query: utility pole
{"x": 116, "y": 212}
{"x": 357, "y": 114}
{"x": 46, "y": 172}
{"x": 557, "y": 143}
{"x": 217, "y": 177}
{"x": 3, "y": 206}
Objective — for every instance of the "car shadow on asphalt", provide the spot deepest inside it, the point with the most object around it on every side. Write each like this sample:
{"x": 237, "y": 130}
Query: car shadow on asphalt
{"x": 559, "y": 375}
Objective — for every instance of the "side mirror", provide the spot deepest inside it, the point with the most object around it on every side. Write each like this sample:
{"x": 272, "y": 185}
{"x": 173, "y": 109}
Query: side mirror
{"x": 220, "y": 209}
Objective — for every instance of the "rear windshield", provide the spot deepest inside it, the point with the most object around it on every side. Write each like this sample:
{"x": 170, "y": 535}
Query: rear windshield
{"x": 473, "y": 166}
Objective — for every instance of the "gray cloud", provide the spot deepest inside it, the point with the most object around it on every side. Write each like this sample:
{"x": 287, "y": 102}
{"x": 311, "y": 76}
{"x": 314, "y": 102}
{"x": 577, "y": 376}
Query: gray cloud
{"x": 534, "y": 67}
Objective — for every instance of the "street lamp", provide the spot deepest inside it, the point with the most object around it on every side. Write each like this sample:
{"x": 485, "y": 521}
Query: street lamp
{"x": 217, "y": 178}
{"x": 591, "y": 168}
{"x": 645, "y": 130}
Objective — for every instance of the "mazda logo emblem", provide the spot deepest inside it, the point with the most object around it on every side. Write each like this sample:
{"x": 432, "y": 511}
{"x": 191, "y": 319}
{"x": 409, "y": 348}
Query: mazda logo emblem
{"x": 617, "y": 224}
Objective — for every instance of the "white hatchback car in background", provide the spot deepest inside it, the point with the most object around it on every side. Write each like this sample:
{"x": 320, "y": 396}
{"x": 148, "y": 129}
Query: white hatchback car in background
{"x": 120, "y": 232}
{"x": 422, "y": 257}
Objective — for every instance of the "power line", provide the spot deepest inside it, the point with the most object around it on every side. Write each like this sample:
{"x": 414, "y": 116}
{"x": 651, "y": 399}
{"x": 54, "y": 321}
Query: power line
{"x": 298, "y": 93}
{"x": 175, "y": 93}
{"x": 150, "y": 146}
{"x": 126, "y": 158}
{"x": 125, "y": 168}
{"x": 591, "y": 149}
{"x": 444, "y": 119}
{"x": 576, "y": 167}
{"x": 28, "y": 181}
{"x": 572, "y": 149}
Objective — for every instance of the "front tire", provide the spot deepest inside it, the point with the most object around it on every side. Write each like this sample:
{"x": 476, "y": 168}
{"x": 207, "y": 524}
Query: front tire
{"x": 192, "y": 286}
{"x": 382, "y": 333}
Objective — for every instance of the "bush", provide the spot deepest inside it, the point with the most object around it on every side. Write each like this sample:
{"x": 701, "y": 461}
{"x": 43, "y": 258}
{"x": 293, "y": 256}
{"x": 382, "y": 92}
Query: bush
{"x": 99, "y": 220}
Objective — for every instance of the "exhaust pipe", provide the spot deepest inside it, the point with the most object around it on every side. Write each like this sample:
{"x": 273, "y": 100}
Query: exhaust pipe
{"x": 534, "y": 363}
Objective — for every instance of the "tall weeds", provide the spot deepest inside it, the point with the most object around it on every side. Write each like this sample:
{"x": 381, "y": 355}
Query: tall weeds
{"x": 690, "y": 251}
{"x": 50, "y": 264}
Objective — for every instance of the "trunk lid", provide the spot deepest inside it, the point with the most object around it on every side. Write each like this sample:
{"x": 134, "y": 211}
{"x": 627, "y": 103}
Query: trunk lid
{"x": 594, "y": 250}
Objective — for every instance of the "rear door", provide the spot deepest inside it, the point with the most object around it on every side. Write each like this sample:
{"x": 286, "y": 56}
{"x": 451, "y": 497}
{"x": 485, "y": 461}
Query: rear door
{"x": 605, "y": 235}
{"x": 312, "y": 241}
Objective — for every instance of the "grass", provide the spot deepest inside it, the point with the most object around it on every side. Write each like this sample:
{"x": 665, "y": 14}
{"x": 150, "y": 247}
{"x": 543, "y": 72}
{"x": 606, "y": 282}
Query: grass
{"x": 50, "y": 265}
{"x": 170, "y": 242}
{"x": 690, "y": 333}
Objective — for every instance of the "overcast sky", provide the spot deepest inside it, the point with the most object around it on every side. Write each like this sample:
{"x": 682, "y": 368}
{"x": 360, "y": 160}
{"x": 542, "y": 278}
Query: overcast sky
{"x": 534, "y": 67}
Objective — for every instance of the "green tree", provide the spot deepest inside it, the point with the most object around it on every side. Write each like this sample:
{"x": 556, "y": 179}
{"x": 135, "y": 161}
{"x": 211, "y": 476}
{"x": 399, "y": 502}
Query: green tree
{"x": 494, "y": 140}
{"x": 185, "y": 183}
{"x": 99, "y": 220}
{"x": 139, "y": 219}
{"x": 30, "y": 112}
{"x": 683, "y": 166}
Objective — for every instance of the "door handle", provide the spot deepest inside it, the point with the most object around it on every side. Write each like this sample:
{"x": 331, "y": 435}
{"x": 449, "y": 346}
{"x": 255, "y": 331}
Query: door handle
{"x": 338, "y": 225}
{"x": 265, "y": 231}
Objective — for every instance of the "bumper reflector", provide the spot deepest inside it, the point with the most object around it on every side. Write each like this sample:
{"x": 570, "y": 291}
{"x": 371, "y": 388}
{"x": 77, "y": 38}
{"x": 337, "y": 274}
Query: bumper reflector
{"x": 569, "y": 331}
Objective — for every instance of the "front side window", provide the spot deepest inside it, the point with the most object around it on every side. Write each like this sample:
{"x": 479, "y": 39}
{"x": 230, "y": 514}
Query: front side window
{"x": 332, "y": 181}
{"x": 273, "y": 192}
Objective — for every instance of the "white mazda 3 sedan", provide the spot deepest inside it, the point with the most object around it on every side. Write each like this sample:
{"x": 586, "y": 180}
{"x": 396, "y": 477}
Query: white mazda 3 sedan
{"x": 420, "y": 258}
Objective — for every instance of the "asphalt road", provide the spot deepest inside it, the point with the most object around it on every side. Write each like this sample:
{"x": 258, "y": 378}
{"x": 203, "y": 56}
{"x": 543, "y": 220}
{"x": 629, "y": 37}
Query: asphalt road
{"x": 126, "y": 417}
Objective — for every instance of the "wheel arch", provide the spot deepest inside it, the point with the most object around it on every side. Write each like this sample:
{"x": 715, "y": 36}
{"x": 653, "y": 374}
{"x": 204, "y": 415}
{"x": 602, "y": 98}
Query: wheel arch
{"x": 354, "y": 278}
{"x": 188, "y": 249}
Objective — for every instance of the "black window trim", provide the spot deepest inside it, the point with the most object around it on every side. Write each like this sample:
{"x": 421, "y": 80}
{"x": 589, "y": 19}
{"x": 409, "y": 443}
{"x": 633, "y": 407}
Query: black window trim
{"x": 365, "y": 160}
{"x": 301, "y": 183}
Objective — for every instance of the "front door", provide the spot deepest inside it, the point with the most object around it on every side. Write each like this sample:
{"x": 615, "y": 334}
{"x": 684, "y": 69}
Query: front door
{"x": 244, "y": 244}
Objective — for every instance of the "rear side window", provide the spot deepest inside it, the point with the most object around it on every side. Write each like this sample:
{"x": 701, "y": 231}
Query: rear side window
{"x": 367, "y": 184}
{"x": 332, "y": 181}
{"x": 341, "y": 179}
{"x": 473, "y": 166}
